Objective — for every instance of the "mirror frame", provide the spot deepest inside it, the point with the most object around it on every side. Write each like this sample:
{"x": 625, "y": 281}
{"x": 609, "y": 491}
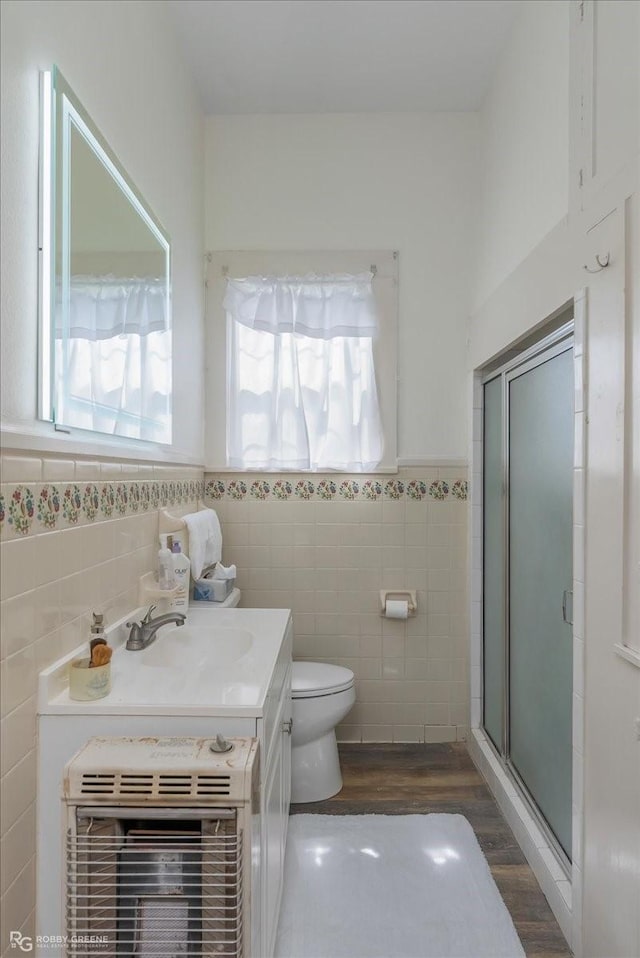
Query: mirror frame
{"x": 59, "y": 107}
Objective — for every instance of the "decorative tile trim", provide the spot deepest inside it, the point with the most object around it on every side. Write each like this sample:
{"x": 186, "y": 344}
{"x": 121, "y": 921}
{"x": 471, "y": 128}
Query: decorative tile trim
{"x": 21, "y": 510}
{"x": 304, "y": 488}
{"x": 350, "y": 489}
{"x": 372, "y": 490}
{"x": 333, "y": 489}
{"x": 416, "y": 489}
{"x": 326, "y": 489}
{"x": 90, "y": 502}
{"x": 46, "y": 507}
{"x": 260, "y": 489}
{"x": 394, "y": 489}
{"x": 439, "y": 490}
{"x": 71, "y": 504}
{"x": 237, "y": 489}
{"x": 460, "y": 490}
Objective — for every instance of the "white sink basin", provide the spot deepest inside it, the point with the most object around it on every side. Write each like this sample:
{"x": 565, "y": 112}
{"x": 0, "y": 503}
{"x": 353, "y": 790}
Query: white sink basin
{"x": 220, "y": 662}
{"x": 192, "y": 648}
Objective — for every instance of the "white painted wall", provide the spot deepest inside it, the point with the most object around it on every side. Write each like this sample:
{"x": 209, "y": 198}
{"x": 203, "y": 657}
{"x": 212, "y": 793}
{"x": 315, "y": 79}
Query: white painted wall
{"x": 611, "y": 836}
{"x": 533, "y": 264}
{"x": 525, "y": 142}
{"x": 122, "y": 61}
{"x": 405, "y": 182}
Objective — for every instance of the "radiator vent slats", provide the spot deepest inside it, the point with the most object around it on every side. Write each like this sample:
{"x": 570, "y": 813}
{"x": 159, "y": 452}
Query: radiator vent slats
{"x": 159, "y": 784}
{"x": 145, "y": 893}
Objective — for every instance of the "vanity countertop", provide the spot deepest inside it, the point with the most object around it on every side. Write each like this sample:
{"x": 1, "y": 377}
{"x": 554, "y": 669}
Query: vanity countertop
{"x": 221, "y": 662}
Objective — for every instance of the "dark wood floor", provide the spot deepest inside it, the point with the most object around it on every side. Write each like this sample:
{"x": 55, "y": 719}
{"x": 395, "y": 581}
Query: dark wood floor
{"x": 411, "y": 779}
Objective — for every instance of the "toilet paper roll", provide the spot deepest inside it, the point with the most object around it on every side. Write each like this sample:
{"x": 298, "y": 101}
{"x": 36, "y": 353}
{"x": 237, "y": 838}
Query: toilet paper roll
{"x": 396, "y": 609}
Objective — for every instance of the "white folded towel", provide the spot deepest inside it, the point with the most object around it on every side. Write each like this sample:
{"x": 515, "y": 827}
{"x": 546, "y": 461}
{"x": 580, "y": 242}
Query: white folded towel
{"x": 205, "y": 540}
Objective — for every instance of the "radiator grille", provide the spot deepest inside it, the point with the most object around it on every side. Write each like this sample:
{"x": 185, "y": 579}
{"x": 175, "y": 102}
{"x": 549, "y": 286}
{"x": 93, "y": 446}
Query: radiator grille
{"x": 154, "y": 785}
{"x": 155, "y": 891}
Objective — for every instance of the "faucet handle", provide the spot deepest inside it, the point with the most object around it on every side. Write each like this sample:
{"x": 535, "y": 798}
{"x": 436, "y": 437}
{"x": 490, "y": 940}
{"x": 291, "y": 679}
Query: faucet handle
{"x": 144, "y": 621}
{"x": 147, "y": 618}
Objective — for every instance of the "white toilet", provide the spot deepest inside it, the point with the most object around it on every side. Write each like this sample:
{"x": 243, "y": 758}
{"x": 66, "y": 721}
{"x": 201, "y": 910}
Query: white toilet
{"x": 322, "y": 696}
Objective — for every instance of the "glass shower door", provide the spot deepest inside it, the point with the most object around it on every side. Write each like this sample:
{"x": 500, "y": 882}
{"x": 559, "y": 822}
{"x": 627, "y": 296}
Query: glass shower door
{"x": 540, "y": 466}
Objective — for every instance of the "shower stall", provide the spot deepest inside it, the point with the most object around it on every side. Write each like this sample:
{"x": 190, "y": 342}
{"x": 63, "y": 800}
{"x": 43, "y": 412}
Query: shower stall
{"x": 527, "y": 656}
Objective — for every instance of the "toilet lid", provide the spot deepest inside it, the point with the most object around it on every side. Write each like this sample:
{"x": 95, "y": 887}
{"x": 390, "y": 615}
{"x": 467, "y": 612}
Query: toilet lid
{"x": 309, "y": 679}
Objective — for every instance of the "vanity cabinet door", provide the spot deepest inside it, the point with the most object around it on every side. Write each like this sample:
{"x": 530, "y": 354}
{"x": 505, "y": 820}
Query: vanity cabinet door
{"x": 273, "y": 861}
{"x": 275, "y": 811}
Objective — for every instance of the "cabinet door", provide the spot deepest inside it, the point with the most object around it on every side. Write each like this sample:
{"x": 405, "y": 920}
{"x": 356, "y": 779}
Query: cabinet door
{"x": 272, "y": 849}
{"x": 287, "y": 725}
{"x": 275, "y": 817}
{"x": 606, "y": 41}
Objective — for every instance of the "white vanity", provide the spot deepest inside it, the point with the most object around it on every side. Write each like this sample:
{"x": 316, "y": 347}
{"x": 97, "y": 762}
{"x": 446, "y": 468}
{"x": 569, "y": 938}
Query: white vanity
{"x": 228, "y": 672}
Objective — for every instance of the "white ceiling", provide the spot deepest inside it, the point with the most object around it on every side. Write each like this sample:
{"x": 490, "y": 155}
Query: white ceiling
{"x": 342, "y": 56}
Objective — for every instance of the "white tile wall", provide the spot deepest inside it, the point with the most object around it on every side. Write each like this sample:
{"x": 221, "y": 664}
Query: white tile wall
{"x": 56, "y": 568}
{"x": 328, "y": 559}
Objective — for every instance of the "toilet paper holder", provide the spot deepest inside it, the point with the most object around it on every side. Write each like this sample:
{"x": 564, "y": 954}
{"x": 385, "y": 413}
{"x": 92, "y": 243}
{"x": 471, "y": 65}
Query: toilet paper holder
{"x": 401, "y": 595}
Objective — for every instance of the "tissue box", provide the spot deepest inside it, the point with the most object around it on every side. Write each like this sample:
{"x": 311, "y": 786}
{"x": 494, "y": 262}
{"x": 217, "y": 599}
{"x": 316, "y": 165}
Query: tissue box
{"x": 212, "y": 590}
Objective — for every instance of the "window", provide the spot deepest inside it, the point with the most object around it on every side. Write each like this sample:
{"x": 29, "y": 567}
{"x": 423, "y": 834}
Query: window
{"x": 309, "y": 342}
{"x": 301, "y": 381}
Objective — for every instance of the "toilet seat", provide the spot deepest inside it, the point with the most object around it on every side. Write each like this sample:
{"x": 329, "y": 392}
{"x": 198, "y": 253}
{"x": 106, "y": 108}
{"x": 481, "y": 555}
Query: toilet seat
{"x": 315, "y": 679}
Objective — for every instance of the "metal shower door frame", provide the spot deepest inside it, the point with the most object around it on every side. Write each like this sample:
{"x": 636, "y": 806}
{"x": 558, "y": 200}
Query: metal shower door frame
{"x": 556, "y": 343}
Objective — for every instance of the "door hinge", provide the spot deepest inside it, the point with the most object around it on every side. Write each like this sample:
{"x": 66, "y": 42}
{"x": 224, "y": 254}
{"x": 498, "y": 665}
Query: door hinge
{"x": 580, "y": 178}
{"x": 581, "y": 9}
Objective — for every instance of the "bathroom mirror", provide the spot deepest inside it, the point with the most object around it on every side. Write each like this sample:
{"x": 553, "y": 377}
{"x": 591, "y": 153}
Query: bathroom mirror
{"x": 105, "y": 289}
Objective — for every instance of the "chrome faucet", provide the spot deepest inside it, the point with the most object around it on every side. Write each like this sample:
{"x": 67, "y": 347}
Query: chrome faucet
{"x": 144, "y": 633}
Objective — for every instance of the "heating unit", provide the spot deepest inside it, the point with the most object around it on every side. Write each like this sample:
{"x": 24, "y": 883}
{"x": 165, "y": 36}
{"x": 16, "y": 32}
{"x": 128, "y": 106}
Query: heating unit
{"x": 162, "y": 847}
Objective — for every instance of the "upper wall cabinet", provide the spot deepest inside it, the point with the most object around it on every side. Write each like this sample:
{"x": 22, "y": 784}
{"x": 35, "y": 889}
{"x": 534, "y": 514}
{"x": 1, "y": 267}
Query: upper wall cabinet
{"x": 105, "y": 289}
{"x": 606, "y": 66}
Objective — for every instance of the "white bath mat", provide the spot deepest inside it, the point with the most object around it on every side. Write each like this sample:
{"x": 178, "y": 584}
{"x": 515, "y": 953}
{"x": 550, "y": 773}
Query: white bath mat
{"x": 390, "y": 886}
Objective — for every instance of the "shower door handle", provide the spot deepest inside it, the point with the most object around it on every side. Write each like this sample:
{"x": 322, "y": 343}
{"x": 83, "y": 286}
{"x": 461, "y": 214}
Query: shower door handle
{"x": 565, "y": 596}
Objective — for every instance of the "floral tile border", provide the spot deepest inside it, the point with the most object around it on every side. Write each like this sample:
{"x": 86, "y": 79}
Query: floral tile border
{"x": 333, "y": 489}
{"x": 33, "y": 508}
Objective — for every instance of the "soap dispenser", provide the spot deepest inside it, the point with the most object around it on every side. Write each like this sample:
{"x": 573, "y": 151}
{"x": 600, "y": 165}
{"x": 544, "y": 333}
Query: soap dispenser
{"x": 165, "y": 565}
{"x": 181, "y": 568}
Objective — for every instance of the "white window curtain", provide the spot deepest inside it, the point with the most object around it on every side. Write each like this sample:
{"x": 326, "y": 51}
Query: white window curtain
{"x": 301, "y": 380}
{"x": 114, "y": 357}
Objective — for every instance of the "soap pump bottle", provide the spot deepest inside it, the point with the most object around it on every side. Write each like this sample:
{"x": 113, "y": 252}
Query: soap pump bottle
{"x": 181, "y": 568}
{"x": 165, "y": 565}
{"x": 96, "y": 636}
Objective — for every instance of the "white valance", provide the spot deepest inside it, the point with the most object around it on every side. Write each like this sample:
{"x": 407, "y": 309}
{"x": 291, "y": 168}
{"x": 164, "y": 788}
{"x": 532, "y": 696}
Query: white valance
{"x": 103, "y": 307}
{"x": 320, "y": 307}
